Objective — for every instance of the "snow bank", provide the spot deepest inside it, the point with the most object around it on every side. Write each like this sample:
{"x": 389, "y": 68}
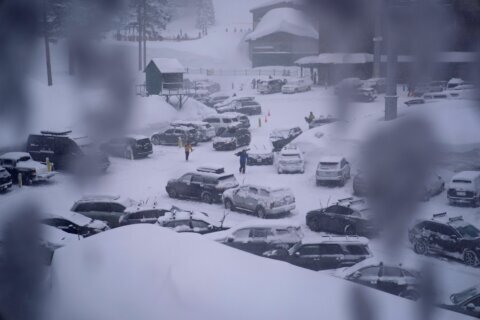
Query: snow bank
{"x": 147, "y": 272}
{"x": 284, "y": 20}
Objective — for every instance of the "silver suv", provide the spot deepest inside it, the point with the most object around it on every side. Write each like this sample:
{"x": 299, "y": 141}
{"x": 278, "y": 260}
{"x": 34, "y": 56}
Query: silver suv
{"x": 333, "y": 169}
{"x": 262, "y": 201}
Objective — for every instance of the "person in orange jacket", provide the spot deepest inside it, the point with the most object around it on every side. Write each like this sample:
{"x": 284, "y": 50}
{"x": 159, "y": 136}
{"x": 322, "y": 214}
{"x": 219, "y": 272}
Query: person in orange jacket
{"x": 188, "y": 149}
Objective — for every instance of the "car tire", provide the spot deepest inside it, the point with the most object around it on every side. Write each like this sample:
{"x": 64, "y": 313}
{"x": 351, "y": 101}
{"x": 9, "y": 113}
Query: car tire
{"x": 420, "y": 247}
{"x": 470, "y": 258}
{"x": 260, "y": 212}
{"x": 313, "y": 224}
{"x": 229, "y": 205}
{"x": 172, "y": 193}
{"x": 410, "y": 294}
{"x": 350, "y": 230}
{"x": 207, "y": 197}
{"x": 155, "y": 140}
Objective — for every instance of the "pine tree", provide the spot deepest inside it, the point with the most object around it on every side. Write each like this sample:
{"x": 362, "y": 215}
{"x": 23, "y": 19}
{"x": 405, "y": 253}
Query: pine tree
{"x": 205, "y": 14}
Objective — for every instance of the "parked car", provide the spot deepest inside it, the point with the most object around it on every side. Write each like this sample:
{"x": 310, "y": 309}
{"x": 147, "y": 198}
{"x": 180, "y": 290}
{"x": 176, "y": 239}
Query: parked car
{"x": 451, "y": 237}
{"x": 348, "y": 216}
{"x": 5, "y": 180}
{"x": 53, "y": 238}
{"x": 206, "y": 184}
{"x": 290, "y": 160}
{"x": 222, "y": 121}
{"x": 260, "y": 153}
{"x": 258, "y": 237}
{"x": 297, "y": 85}
{"x": 270, "y": 86}
{"x": 217, "y": 98}
{"x": 434, "y": 185}
{"x": 232, "y": 99}
{"x": 318, "y": 122}
{"x": 129, "y": 147}
{"x": 281, "y": 137}
{"x": 466, "y": 302}
{"x": 103, "y": 208}
{"x": 454, "y": 83}
{"x": 205, "y": 131}
{"x": 189, "y": 221}
{"x": 333, "y": 169}
{"x": 347, "y": 85}
{"x": 378, "y": 84}
{"x": 392, "y": 279}
{"x": 324, "y": 253}
{"x": 250, "y": 108}
{"x": 464, "y": 188}
{"x": 262, "y": 201}
{"x": 74, "y": 223}
{"x": 20, "y": 163}
{"x": 171, "y": 136}
{"x": 243, "y": 120}
{"x": 362, "y": 95}
{"x": 142, "y": 214}
{"x": 434, "y": 86}
{"x": 437, "y": 86}
{"x": 231, "y": 139}
{"x": 206, "y": 84}
{"x": 67, "y": 151}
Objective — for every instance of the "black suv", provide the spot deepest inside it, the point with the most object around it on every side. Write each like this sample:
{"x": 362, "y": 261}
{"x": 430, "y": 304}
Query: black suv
{"x": 247, "y": 107}
{"x": 206, "y": 184}
{"x": 324, "y": 253}
{"x": 231, "y": 139}
{"x": 393, "y": 279}
{"x": 131, "y": 147}
{"x": 5, "y": 179}
{"x": 280, "y": 138}
{"x": 347, "y": 216}
{"x": 67, "y": 151}
{"x": 172, "y": 136}
{"x": 450, "y": 237}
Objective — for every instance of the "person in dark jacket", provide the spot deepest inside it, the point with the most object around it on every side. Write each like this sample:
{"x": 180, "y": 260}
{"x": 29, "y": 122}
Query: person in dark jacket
{"x": 188, "y": 149}
{"x": 243, "y": 155}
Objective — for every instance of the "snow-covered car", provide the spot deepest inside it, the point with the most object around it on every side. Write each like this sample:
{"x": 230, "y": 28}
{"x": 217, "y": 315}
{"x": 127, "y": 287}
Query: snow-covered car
{"x": 347, "y": 85}
{"x": 378, "y": 84}
{"x": 243, "y": 120}
{"x": 260, "y": 153}
{"x": 222, "y": 121}
{"x": 332, "y": 169}
{"x": 348, "y": 216}
{"x": 206, "y": 184}
{"x": 324, "y": 253}
{"x": 231, "y": 139}
{"x": 463, "y": 91}
{"x": 233, "y": 99}
{"x": 206, "y": 84}
{"x": 321, "y": 121}
{"x": 466, "y": 302}
{"x": 5, "y": 179}
{"x": 447, "y": 236}
{"x": 394, "y": 279}
{"x": 53, "y": 238}
{"x": 217, "y": 98}
{"x": 103, "y": 207}
{"x": 270, "y": 86}
{"x": 189, "y": 221}
{"x": 21, "y": 164}
{"x": 142, "y": 213}
{"x": 464, "y": 187}
{"x": 290, "y": 160}
{"x": 205, "y": 131}
{"x": 259, "y": 236}
{"x": 250, "y": 107}
{"x": 172, "y": 136}
{"x": 262, "y": 201}
{"x": 297, "y": 85}
{"x": 454, "y": 83}
{"x": 129, "y": 147}
{"x": 74, "y": 223}
{"x": 434, "y": 185}
{"x": 281, "y": 137}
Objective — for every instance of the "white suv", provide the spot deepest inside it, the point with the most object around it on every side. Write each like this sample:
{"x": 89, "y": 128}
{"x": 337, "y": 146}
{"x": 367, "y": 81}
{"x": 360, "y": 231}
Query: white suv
{"x": 290, "y": 159}
{"x": 333, "y": 169}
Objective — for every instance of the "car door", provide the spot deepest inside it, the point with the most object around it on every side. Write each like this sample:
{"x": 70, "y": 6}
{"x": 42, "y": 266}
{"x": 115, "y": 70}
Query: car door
{"x": 239, "y": 239}
{"x": 391, "y": 280}
{"x": 258, "y": 242}
{"x": 448, "y": 240}
{"x": 167, "y": 137}
{"x": 240, "y": 198}
{"x": 251, "y": 201}
{"x": 367, "y": 276}
{"x": 183, "y": 185}
{"x": 330, "y": 256}
{"x": 333, "y": 220}
{"x": 196, "y": 186}
{"x": 110, "y": 212}
{"x": 306, "y": 256}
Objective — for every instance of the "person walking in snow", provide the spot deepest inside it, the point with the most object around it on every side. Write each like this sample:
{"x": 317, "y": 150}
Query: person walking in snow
{"x": 188, "y": 149}
{"x": 243, "y": 160}
{"x": 310, "y": 117}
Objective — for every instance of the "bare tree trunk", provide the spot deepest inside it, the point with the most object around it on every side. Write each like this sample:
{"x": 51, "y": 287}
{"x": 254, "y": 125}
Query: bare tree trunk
{"x": 47, "y": 44}
{"x": 139, "y": 28}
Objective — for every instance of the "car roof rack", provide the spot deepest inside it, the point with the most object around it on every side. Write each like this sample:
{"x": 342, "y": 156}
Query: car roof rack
{"x": 453, "y": 219}
{"x": 439, "y": 215}
{"x": 211, "y": 169}
{"x": 56, "y": 133}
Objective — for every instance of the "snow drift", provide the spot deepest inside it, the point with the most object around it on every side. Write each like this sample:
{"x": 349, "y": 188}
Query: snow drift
{"x": 147, "y": 272}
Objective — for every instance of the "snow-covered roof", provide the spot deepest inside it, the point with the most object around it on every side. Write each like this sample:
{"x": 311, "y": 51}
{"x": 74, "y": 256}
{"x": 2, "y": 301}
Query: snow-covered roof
{"x": 136, "y": 136}
{"x": 336, "y": 239}
{"x": 287, "y": 20}
{"x": 331, "y": 159}
{"x": 168, "y": 65}
{"x": 336, "y": 58}
{"x": 272, "y": 3}
{"x": 467, "y": 175}
{"x": 14, "y": 155}
{"x": 127, "y": 202}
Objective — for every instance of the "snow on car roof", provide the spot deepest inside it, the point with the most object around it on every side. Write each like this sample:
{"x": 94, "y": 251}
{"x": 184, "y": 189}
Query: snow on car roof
{"x": 187, "y": 122}
{"x": 336, "y": 239}
{"x": 233, "y": 115}
{"x": 286, "y": 20}
{"x": 74, "y": 217}
{"x": 136, "y": 136}
{"x": 466, "y": 175}
{"x": 335, "y": 159}
{"x": 281, "y": 223}
{"x": 373, "y": 261}
{"x": 168, "y": 65}
{"x": 260, "y": 147}
{"x": 267, "y": 188}
{"x": 14, "y": 155}
{"x": 271, "y": 3}
{"x": 127, "y": 202}
{"x": 290, "y": 151}
{"x": 180, "y": 214}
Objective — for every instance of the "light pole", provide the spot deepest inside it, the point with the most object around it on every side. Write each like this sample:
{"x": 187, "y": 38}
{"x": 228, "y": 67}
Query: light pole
{"x": 391, "y": 90}
{"x": 377, "y": 38}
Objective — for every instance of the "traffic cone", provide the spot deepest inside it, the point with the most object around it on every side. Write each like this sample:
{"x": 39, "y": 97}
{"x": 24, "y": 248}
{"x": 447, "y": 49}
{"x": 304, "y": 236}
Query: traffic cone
{"x": 259, "y": 122}
{"x": 265, "y": 119}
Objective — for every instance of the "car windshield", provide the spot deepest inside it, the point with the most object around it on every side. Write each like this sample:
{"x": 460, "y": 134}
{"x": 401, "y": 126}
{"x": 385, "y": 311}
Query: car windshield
{"x": 24, "y": 158}
{"x": 328, "y": 165}
{"x": 227, "y": 134}
{"x": 468, "y": 231}
{"x": 464, "y": 295}
{"x": 291, "y": 157}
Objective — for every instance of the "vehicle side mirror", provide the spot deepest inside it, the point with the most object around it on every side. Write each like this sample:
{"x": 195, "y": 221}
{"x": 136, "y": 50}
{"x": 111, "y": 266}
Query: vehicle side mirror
{"x": 470, "y": 307}
{"x": 297, "y": 254}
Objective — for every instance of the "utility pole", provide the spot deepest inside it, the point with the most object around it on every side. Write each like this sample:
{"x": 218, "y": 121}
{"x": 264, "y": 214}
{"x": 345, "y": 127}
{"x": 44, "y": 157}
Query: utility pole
{"x": 139, "y": 28}
{"x": 377, "y": 38}
{"x": 391, "y": 90}
{"x": 144, "y": 35}
{"x": 47, "y": 44}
